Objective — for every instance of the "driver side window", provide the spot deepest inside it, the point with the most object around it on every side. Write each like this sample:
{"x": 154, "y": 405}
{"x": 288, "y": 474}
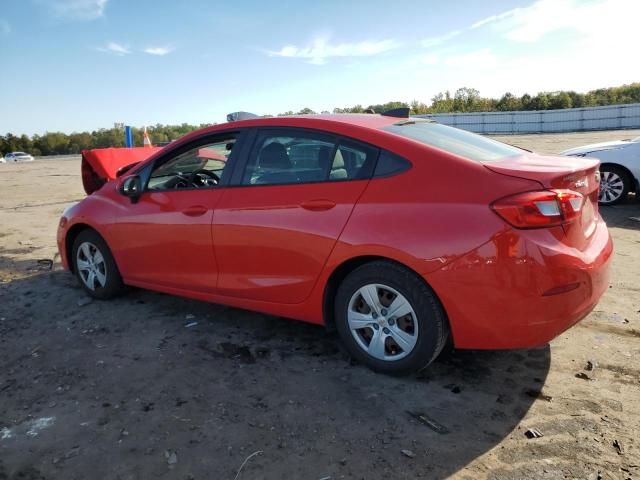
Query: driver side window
{"x": 198, "y": 167}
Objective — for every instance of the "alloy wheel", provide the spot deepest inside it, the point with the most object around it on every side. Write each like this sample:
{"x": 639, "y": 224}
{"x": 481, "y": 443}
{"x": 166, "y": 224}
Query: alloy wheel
{"x": 611, "y": 187}
{"x": 91, "y": 266}
{"x": 382, "y": 322}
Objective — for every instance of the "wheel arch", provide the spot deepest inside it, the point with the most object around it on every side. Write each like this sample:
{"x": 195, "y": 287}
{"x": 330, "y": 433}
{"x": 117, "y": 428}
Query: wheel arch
{"x": 345, "y": 268}
{"x": 633, "y": 180}
{"x": 71, "y": 236}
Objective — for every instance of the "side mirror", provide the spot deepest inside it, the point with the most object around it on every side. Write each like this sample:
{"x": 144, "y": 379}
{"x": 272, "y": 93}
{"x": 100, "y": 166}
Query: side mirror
{"x": 131, "y": 187}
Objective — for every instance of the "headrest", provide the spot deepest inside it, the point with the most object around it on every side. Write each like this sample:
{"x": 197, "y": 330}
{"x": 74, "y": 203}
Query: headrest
{"x": 274, "y": 155}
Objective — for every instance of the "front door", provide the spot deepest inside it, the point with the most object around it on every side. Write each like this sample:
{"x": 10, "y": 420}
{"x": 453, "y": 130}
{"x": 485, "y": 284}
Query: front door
{"x": 164, "y": 239}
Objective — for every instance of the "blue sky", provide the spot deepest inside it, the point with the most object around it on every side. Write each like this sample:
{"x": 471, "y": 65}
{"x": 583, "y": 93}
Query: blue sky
{"x": 74, "y": 65}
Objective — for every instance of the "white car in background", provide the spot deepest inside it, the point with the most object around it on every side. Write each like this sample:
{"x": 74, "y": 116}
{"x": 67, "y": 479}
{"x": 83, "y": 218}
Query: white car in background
{"x": 18, "y": 157}
{"x": 619, "y": 167}
{"x": 2, "y": 160}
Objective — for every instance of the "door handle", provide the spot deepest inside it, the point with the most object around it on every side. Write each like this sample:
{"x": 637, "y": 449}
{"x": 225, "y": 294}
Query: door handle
{"x": 195, "y": 211}
{"x": 318, "y": 205}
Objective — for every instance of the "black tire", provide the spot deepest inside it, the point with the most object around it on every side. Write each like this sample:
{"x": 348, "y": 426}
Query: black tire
{"x": 113, "y": 285}
{"x": 607, "y": 198}
{"x": 433, "y": 327}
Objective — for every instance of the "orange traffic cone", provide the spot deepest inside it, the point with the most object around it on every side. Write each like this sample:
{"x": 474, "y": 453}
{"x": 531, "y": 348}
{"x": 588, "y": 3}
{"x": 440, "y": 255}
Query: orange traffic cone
{"x": 146, "y": 141}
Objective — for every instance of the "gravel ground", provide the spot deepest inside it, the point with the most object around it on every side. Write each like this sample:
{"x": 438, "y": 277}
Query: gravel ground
{"x": 127, "y": 390}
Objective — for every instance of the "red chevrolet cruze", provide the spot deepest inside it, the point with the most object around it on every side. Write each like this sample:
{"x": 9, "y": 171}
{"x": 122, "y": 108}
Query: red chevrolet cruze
{"x": 398, "y": 232}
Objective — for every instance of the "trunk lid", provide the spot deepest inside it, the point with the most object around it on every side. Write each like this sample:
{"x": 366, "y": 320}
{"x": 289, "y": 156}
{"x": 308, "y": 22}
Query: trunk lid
{"x": 578, "y": 174}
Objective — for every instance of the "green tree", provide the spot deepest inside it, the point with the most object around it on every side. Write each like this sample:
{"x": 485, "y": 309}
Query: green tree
{"x": 442, "y": 103}
{"x": 466, "y": 99}
{"x": 509, "y": 103}
{"x": 560, "y": 100}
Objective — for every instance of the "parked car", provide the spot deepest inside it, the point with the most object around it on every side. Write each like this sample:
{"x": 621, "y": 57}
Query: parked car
{"x": 400, "y": 233}
{"x": 619, "y": 169}
{"x": 2, "y": 160}
{"x": 18, "y": 157}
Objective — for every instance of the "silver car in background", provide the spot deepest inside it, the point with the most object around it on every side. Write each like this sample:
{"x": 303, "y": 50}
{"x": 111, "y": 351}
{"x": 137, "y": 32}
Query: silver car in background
{"x": 619, "y": 167}
{"x": 18, "y": 157}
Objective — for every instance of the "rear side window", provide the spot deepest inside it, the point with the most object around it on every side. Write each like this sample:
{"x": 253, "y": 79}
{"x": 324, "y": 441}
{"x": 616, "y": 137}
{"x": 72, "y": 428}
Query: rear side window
{"x": 456, "y": 141}
{"x": 289, "y": 156}
{"x": 390, "y": 164}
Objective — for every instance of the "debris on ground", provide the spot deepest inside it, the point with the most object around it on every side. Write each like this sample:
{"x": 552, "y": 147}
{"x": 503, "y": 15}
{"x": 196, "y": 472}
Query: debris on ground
{"x": 635, "y": 219}
{"x": 583, "y": 376}
{"x": 189, "y": 316}
{"x": 453, "y": 388}
{"x": 538, "y": 395}
{"x": 240, "y": 352}
{"x": 408, "y": 453}
{"x": 259, "y": 452}
{"x": 84, "y": 301}
{"x": 618, "y": 446}
{"x": 191, "y": 324}
{"x": 262, "y": 352}
{"x": 533, "y": 433}
{"x": 171, "y": 456}
{"x": 45, "y": 264}
{"x": 429, "y": 422}
{"x": 591, "y": 366}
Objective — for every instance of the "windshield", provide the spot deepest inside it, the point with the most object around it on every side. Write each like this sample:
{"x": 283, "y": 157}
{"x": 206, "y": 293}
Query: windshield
{"x": 20, "y": 154}
{"x": 456, "y": 141}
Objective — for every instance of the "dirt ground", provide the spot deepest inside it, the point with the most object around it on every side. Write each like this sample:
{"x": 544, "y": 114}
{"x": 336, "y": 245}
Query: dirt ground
{"x": 128, "y": 390}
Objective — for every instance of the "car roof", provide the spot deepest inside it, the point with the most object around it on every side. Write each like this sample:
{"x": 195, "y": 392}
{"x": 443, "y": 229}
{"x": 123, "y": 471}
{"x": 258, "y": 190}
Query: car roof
{"x": 343, "y": 123}
{"x": 366, "y": 120}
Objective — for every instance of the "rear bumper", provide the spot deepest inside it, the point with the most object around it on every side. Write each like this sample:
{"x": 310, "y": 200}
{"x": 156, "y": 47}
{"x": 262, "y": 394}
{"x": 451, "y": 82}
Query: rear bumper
{"x": 521, "y": 290}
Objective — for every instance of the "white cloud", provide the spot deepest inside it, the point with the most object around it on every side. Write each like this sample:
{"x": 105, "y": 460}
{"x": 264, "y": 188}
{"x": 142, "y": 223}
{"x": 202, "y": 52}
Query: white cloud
{"x": 116, "y": 49}
{"x": 321, "y": 50}
{"x": 494, "y": 18}
{"x": 159, "y": 51}
{"x": 434, "y": 41}
{"x": 76, "y": 9}
{"x": 590, "y": 19}
{"x": 5, "y": 28}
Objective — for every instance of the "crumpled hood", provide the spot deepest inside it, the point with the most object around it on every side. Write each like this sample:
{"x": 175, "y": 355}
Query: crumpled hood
{"x": 102, "y": 164}
{"x": 597, "y": 147}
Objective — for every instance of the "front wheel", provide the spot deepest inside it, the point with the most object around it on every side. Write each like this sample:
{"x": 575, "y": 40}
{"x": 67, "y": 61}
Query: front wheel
{"x": 614, "y": 185}
{"x": 389, "y": 319}
{"x": 95, "y": 266}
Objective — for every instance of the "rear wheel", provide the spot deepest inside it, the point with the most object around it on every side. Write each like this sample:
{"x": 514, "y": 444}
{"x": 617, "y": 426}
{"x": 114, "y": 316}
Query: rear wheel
{"x": 95, "y": 266}
{"x": 615, "y": 184}
{"x": 389, "y": 319}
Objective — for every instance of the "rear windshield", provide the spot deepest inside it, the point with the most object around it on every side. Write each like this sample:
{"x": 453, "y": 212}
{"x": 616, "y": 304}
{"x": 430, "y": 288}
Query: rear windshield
{"x": 456, "y": 141}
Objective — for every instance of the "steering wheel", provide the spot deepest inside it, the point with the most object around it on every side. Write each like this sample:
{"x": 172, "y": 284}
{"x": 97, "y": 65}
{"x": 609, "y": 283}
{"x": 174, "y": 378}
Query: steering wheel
{"x": 203, "y": 178}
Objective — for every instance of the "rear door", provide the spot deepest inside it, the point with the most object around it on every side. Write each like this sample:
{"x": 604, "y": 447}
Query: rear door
{"x": 274, "y": 230}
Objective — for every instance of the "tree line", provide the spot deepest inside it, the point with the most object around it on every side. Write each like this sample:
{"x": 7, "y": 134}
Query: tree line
{"x": 463, "y": 100}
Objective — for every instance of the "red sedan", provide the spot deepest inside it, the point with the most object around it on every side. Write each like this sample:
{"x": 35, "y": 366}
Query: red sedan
{"x": 399, "y": 232}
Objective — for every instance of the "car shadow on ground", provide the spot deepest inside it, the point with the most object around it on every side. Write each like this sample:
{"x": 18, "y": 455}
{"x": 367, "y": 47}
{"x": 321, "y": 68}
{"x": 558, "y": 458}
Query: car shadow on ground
{"x": 623, "y": 215}
{"x": 150, "y": 384}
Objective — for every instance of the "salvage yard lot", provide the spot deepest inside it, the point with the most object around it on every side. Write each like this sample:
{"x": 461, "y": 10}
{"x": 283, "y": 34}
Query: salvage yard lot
{"x": 151, "y": 385}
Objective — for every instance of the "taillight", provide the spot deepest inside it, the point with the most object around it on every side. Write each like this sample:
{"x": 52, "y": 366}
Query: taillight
{"x": 544, "y": 208}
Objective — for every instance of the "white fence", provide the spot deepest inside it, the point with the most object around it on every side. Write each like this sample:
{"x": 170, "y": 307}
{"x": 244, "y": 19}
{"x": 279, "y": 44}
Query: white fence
{"x": 544, "y": 121}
